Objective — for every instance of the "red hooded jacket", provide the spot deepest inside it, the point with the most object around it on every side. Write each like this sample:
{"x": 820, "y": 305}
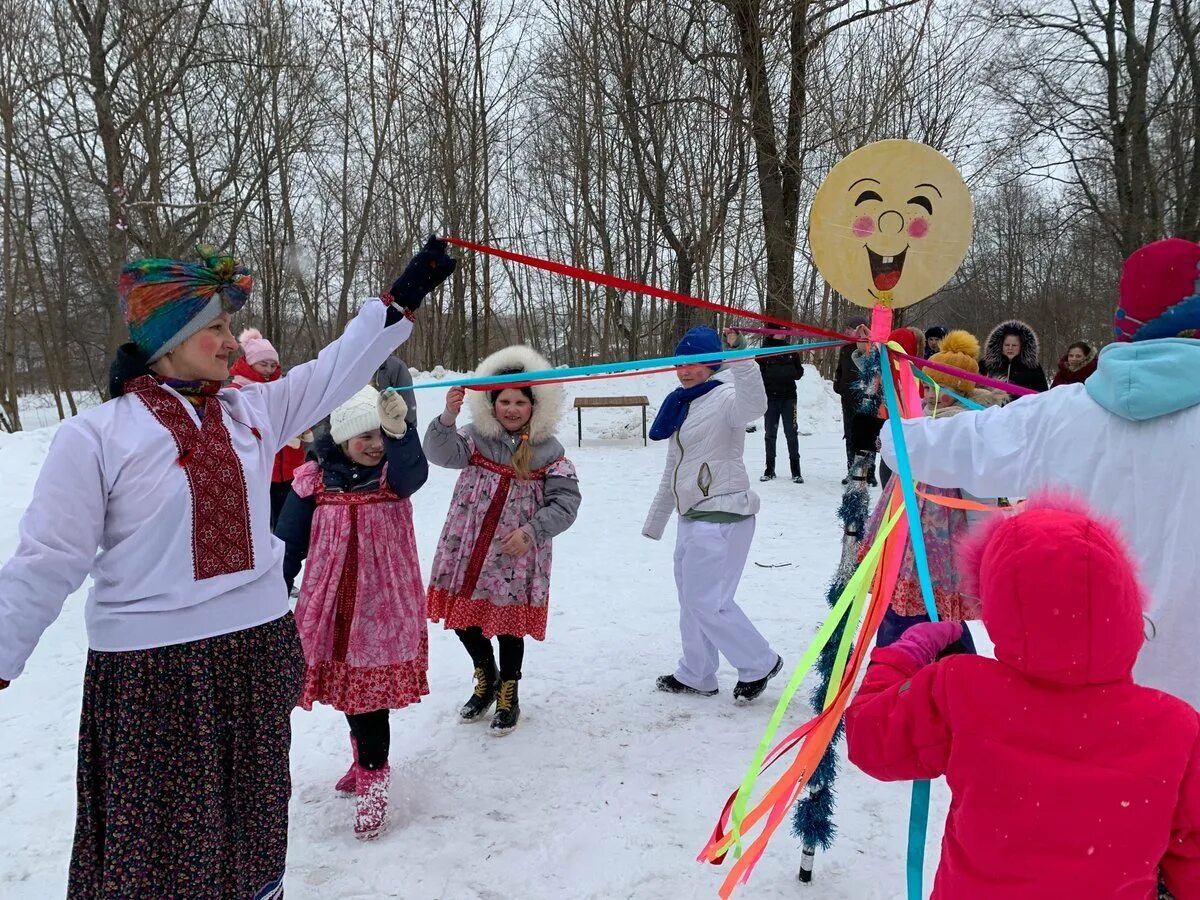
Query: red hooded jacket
{"x": 288, "y": 459}
{"x": 1067, "y": 779}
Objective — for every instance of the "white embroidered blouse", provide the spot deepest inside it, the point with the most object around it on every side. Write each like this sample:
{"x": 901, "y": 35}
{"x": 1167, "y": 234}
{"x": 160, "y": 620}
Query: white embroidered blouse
{"x": 120, "y": 497}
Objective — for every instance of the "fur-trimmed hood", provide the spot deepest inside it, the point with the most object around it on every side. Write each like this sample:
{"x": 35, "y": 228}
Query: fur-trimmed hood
{"x": 548, "y": 399}
{"x": 993, "y": 351}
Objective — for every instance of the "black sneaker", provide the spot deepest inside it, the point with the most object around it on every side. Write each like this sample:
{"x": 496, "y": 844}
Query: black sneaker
{"x": 673, "y": 685}
{"x": 797, "y": 479}
{"x": 485, "y": 694}
{"x": 871, "y": 480}
{"x": 508, "y": 709}
{"x": 745, "y": 691}
{"x": 846, "y": 480}
{"x": 767, "y": 476}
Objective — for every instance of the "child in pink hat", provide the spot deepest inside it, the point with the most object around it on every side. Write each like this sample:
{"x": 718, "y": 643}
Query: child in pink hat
{"x": 259, "y": 364}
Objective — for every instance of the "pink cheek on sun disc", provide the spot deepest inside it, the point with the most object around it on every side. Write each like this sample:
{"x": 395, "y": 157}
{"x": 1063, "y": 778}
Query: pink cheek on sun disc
{"x": 918, "y": 228}
{"x": 864, "y": 226}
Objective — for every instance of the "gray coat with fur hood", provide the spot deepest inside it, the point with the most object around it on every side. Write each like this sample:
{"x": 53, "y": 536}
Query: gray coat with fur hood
{"x": 450, "y": 446}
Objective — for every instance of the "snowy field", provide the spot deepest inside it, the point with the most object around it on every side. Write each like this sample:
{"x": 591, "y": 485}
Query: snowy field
{"x": 607, "y": 789}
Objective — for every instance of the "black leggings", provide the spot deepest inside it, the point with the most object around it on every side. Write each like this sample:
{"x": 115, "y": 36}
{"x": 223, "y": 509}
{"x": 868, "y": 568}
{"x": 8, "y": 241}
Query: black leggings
{"x": 512, "y": 651}
{"x": 373, "y": 736}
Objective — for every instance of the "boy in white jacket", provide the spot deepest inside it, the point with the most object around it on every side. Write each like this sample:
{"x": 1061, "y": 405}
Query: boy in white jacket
{"x": 1125, "y": 441}
{"x": 705, "y": 481}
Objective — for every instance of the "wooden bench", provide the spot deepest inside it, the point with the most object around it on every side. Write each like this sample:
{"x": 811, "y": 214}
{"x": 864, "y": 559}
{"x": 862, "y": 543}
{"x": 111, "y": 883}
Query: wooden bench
{"x": 582, "y": 403}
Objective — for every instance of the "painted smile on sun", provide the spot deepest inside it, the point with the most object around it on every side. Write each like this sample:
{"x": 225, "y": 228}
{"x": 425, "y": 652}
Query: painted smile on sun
{"x": 910, "y": 219}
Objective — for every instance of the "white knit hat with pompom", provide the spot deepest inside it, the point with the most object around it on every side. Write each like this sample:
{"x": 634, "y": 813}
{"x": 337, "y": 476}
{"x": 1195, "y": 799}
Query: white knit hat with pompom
{"x": 357, "y": 415}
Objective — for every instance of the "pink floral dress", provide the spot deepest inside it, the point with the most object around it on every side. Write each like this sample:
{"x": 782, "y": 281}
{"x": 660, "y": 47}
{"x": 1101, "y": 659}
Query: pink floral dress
{"x": 361, "y": 613}
{"x": 475, "y": 583}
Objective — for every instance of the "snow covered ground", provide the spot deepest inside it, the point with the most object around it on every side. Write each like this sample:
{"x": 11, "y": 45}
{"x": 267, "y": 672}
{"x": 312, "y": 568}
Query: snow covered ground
{"x": 607, "y": 789}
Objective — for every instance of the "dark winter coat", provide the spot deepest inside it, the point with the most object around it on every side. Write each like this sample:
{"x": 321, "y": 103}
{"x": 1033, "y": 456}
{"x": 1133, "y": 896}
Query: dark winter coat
{"x": 1067, "y": 375}
{"x": 1024, "y": 371}
{"x": 846, "y": 374}
{"x": 394, "y": 374}
{"x": 407, "y": 471}
{"x": 780, "y": 373}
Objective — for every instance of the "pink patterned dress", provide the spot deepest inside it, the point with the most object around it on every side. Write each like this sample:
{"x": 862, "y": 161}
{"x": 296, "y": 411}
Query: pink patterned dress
{"x": 361, "y": 613}
{"x": 475, "y": 583}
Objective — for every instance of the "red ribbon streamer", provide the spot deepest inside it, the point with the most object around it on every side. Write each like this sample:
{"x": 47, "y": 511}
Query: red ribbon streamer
{"x": 625, "y": 284}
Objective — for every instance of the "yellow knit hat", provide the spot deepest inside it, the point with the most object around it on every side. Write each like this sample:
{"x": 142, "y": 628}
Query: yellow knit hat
{"x": 961, "y": 350}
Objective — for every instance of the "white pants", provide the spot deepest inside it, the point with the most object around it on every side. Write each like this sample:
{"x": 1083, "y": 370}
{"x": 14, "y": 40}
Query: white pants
{"x": 709, "y": 559}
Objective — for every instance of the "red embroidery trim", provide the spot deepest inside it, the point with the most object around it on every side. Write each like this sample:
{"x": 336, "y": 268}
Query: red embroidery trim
{"x": 478, "y": 459}
{"x": 491, "y": 520}
{"x": 456, "y": 611}
{"x": 347, "y": 592}
{"x": 346, "y": 597}
{"x": 222, "y": 541}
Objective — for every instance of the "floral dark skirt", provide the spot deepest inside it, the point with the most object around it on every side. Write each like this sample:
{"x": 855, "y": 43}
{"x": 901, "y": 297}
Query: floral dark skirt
{"x": 183, "y": 781}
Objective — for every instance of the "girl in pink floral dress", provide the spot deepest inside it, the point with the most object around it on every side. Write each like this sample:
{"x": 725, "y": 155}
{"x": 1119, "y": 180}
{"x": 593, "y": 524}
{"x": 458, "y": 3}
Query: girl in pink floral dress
{"x": 517, "y": 491}
{"x": 361, "y": 613}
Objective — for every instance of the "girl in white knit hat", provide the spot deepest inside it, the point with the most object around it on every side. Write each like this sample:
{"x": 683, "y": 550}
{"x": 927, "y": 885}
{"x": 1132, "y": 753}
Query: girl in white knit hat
{"x": 361, "y": 613}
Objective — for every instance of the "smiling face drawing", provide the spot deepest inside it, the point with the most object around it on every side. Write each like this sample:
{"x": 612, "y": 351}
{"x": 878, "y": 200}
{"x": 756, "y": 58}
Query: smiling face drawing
{"x": 891, "y": 224}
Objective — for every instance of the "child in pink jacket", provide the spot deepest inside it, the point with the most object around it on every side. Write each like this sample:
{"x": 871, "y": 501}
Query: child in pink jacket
{"x": 1067, "y": 779}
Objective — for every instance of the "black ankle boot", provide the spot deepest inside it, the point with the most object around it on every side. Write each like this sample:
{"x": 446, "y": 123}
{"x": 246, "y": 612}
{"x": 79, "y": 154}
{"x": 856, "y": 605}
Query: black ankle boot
{"x": 508, "y": 707}
{"x": 486, "y": 682}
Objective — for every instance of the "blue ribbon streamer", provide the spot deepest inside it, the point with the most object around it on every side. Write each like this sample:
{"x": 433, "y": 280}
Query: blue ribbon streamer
{"x": 918, "y": 817}
{"x": 630, "y": 366}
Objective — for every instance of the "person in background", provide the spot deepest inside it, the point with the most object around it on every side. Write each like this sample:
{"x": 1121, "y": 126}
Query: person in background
{"x": 259, "y": 364}
{"x": 1011, "y": 354}
{"x": 1077, "y": 366}
{"x": 851, "y": 361}
{"x": 780, "y": 374}
{"x": 394, "y": 373}
{"x": 933, "y": 339}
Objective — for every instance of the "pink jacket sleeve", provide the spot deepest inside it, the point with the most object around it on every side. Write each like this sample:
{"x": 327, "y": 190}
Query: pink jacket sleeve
{"x": 897, "y": 728}
{"x": 1181, "y": 865}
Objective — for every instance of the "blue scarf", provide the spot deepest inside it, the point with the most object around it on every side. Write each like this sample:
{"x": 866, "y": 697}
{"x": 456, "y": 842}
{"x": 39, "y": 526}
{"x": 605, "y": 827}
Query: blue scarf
{"x": 675, "y": 407}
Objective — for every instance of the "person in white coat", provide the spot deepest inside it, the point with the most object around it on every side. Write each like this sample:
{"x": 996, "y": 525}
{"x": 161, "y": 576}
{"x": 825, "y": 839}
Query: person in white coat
{"x": 706, "y": 483}
{"x": 162, "y": 495}
{"x": 1125, "y": 441}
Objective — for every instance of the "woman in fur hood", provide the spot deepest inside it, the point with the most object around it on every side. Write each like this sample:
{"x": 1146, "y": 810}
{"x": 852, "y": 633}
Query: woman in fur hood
{"x": 517, "y": 491}
{"x": 1077, "y": 366}
{"x": 1012, "y": 354}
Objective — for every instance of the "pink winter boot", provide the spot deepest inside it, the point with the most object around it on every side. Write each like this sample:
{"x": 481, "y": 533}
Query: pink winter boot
{"x": 345, "y": 784}
{"x": 371, "y": 786}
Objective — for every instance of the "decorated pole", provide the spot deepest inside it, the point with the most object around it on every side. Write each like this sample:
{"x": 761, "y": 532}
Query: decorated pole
{"x": 889, "y": 226}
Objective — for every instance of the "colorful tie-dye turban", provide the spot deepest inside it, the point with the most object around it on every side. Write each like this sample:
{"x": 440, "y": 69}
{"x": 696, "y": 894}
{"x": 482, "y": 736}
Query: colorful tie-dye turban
{"x": 166, "y": 301}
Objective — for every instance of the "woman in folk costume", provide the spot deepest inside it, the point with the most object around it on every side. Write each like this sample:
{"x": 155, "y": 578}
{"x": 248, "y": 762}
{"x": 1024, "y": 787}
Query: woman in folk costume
{"x": 705, "y": 481}
{"x": 259, "y": 364}
{"x": 516, "y": 493}
{"x": 943, "y": 527}
{"x": 194, "y": 662}
{"x": 361, "y": 614}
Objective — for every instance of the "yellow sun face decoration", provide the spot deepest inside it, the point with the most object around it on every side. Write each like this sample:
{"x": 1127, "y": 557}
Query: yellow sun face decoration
{"x": 891, "y": 224}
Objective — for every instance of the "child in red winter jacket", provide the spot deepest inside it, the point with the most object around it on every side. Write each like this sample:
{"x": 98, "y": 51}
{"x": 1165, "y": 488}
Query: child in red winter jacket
{"x": 1067, "y": 779}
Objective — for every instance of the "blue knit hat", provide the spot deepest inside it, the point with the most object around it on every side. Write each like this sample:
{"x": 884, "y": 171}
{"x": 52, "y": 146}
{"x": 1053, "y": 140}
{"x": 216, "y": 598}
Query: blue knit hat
{"x": 700, "y": 339}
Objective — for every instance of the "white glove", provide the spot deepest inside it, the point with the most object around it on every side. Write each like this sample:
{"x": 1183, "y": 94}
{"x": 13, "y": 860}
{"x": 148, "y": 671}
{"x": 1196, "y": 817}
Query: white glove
{"x": 392, "y": 410}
